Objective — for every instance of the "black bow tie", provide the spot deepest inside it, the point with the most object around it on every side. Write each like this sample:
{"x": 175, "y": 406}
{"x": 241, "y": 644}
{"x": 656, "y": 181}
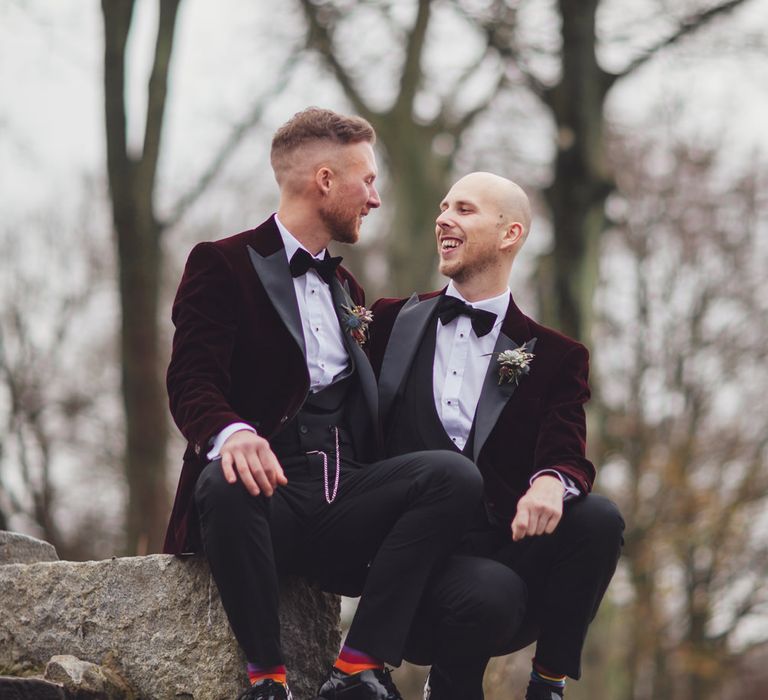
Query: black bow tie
{"x": 302, "y": 261}
{"x": 450, "y": 307}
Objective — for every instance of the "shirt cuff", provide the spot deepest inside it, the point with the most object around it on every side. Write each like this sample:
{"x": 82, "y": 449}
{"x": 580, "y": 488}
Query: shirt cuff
{"x": 571, "y": 490}
{"x": 218, "y": 440}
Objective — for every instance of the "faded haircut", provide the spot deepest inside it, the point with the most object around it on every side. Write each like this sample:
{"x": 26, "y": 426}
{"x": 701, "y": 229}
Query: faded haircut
{"x": 314, "y": 125}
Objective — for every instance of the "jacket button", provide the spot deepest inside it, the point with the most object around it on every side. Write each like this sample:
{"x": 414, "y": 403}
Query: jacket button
{"x": 303, "y": 429}
{"x": 197, "y": 449}
{"x": 283, "y": 419}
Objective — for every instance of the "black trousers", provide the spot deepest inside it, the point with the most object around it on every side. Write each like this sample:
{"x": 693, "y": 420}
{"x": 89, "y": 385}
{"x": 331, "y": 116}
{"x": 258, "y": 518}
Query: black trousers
{"x": 495, "y": 596}
{"x": 390, "y": 525}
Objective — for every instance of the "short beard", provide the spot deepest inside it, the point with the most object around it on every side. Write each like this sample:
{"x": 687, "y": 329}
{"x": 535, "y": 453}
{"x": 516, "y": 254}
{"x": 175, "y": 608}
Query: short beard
{"x": 344, "y": 228}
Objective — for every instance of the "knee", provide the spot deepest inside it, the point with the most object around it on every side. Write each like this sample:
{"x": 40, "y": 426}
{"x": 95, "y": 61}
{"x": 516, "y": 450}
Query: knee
{"x": 496, "y": 602}
{"x": 598, "y": 519}
{"x": 216, "y": 497}
{"x": 458, "y": 473}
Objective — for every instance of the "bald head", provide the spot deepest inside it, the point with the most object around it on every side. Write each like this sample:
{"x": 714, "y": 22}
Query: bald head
{"x": 504, "y": 195}
{"x": 483, "y": 222}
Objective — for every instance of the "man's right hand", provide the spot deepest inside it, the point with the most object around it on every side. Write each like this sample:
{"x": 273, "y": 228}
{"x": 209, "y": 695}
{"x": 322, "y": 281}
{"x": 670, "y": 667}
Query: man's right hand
{"x": 248, "y": 456}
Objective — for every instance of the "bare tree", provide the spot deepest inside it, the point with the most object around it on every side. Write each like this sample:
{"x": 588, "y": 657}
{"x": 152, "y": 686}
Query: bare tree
{"x": 421, "y": 144}
{"x": 55, "y": 391}
{"x": 139, "y": 230}
{"x": 683, "y": 341}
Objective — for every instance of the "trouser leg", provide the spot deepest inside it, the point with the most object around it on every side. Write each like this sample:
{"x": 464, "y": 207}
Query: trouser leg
{"x": 402, "y": 515}
{"x": 470, "y": 612}
{"x": 567, "y": 574}
{"x": 236, "y": 535}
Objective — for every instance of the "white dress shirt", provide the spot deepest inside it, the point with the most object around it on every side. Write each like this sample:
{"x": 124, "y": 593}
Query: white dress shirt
{"x": 461, "y": 363}
{"x": 326, "y": 354}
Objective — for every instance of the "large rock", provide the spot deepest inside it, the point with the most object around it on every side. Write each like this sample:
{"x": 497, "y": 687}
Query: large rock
{"x": 20, "y": 549}
{"x": 157, "y": 622}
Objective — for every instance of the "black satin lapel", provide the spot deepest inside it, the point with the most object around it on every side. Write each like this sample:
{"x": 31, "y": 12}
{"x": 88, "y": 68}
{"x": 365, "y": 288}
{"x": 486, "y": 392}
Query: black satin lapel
{"x": 357, "y": 356}
{"x": 404, "y": 340}
{"x": 276, "y": 277}
{"x": 493, "y": 396}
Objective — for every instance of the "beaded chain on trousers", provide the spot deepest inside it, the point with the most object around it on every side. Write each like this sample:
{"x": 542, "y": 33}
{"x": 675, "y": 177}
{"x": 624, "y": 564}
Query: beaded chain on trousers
{"x": 330, "y": 497}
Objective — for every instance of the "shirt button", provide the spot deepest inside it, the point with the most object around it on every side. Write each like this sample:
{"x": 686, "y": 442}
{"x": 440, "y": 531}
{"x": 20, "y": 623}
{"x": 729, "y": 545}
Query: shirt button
{"x": 454, "y": 439}
{"x": 461, "y": 335}
{"x": 448, "y": 402}
{"x": 454, "y": 371}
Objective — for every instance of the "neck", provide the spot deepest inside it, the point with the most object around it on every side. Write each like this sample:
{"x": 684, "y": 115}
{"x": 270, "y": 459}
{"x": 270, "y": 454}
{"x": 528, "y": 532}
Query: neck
{"x": 478, "y": 290}
{"x": 305, "y": 225}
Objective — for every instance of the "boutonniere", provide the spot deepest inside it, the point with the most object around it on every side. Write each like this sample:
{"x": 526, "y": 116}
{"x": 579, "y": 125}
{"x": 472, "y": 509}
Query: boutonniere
{"x": 356, "y": 320}
{"x": 514, "y": 364}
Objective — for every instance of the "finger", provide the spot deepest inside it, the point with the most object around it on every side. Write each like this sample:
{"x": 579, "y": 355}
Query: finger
{"x": 244, "y": 472}
{"x": 257, "y": 470}
{"x": 271, "y": 464}
{"x": 226, "y": 467}
{"x": 553, "y": 523}
{"x": 533, "y": 524}
{"x": 520, "y": 524}
{"x": 541, "y": 524}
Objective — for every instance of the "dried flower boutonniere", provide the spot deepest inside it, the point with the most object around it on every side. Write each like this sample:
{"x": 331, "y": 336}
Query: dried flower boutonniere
{"x": 356, "y": 320}
{"x": 516, "y": 363}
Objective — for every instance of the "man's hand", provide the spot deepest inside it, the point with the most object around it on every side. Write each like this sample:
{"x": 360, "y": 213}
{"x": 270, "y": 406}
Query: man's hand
{"x": 249, "y": 456}
{"x": 540, "y": 509}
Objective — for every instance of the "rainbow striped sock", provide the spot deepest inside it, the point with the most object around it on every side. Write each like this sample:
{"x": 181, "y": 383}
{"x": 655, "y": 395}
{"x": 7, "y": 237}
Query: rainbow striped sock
{"x": 539, "y": 674}
{"x": 352, "y": 661}
{"x": 256, "y": 673}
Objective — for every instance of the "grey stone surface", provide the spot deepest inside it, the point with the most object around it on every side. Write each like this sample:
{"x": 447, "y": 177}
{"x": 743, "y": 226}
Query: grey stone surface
{"x": 157, "y": 622}
{"x": 30, "y": 689}
{"x": 21, "y": 549}
{"x": 86, "y": 681}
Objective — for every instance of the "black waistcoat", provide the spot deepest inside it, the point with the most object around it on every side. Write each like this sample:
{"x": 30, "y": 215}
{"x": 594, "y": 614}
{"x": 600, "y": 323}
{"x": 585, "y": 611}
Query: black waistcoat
{"x": 313, "y": 427}
{"x": 413, "y": 423}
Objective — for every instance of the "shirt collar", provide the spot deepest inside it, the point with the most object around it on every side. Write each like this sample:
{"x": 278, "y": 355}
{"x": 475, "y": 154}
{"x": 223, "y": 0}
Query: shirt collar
{"x": 291, "y": 243}
{"x": 497, "y": 305}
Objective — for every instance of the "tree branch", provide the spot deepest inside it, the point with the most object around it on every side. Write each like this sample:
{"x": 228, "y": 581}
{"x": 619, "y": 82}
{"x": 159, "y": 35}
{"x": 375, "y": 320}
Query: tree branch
{"x": 117, "y": 16}
{"x": 230, "y": 145}
{"x": 319, "y": 38}
{"x": 158, "y": 91}
{"x": 688, "y": 26}
{"x": 411, "y": 77}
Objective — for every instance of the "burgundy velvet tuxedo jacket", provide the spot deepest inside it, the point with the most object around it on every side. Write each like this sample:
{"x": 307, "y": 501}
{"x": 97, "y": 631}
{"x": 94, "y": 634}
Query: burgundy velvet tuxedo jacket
{"x": 239, "y": 353}
{"x": 519, "y": 430}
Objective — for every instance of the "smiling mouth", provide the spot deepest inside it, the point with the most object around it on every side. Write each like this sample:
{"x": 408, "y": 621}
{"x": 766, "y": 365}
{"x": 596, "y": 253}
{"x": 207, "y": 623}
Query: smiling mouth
{"x": 449, "y": 244}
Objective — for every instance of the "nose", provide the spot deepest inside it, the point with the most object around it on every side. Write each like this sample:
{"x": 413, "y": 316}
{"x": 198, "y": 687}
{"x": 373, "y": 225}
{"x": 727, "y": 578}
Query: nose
{"x": 374, "y": 201}
{"x": 442, "y": 219}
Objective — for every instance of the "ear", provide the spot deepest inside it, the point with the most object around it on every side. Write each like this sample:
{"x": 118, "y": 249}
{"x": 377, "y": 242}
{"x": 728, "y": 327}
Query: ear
{"x": 512, "y": 236}
{"x": 324, "y": 179}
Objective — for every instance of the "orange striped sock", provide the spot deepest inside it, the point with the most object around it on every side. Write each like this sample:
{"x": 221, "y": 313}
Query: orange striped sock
{"x": 256, "y": 674}
{"x": 352, "y": 661}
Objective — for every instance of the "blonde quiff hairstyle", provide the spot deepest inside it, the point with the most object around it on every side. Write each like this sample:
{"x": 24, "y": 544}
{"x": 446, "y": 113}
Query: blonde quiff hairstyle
{"x": 316, "y": 125}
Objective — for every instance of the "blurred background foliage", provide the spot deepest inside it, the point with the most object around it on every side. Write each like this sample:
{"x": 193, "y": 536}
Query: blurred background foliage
{"x": 135, "y": 129}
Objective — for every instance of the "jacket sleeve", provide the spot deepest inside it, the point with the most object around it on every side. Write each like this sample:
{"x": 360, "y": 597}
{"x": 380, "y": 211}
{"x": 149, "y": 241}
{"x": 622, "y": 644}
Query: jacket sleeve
{"x": 204, "y": 315}
{"x": 561, "y": 442}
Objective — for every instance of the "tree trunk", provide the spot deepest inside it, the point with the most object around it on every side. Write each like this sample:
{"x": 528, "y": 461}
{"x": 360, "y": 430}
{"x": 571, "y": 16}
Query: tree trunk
{"x": 139, "y": 254}
{"x": 420, "y": 183}
{"x": 582, "y": 180}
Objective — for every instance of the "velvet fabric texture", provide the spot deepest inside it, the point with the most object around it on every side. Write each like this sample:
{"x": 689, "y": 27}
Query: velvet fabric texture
{"x": 233, "y": 358}
{"x": 538, "y": 424}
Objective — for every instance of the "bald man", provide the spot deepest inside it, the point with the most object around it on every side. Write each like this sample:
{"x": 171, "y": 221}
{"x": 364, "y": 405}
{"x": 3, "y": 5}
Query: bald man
{"x": 269, "y": 384}
{"x": 464, "y": 369}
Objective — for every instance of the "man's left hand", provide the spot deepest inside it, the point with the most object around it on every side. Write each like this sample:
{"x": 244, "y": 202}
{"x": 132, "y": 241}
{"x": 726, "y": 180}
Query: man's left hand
{"x": 540, "y": 509}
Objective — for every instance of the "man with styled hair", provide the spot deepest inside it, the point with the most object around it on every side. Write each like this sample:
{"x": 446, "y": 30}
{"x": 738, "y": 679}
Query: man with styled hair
{"x": 463, "y": 369}
{"x": 278, "y": 402}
